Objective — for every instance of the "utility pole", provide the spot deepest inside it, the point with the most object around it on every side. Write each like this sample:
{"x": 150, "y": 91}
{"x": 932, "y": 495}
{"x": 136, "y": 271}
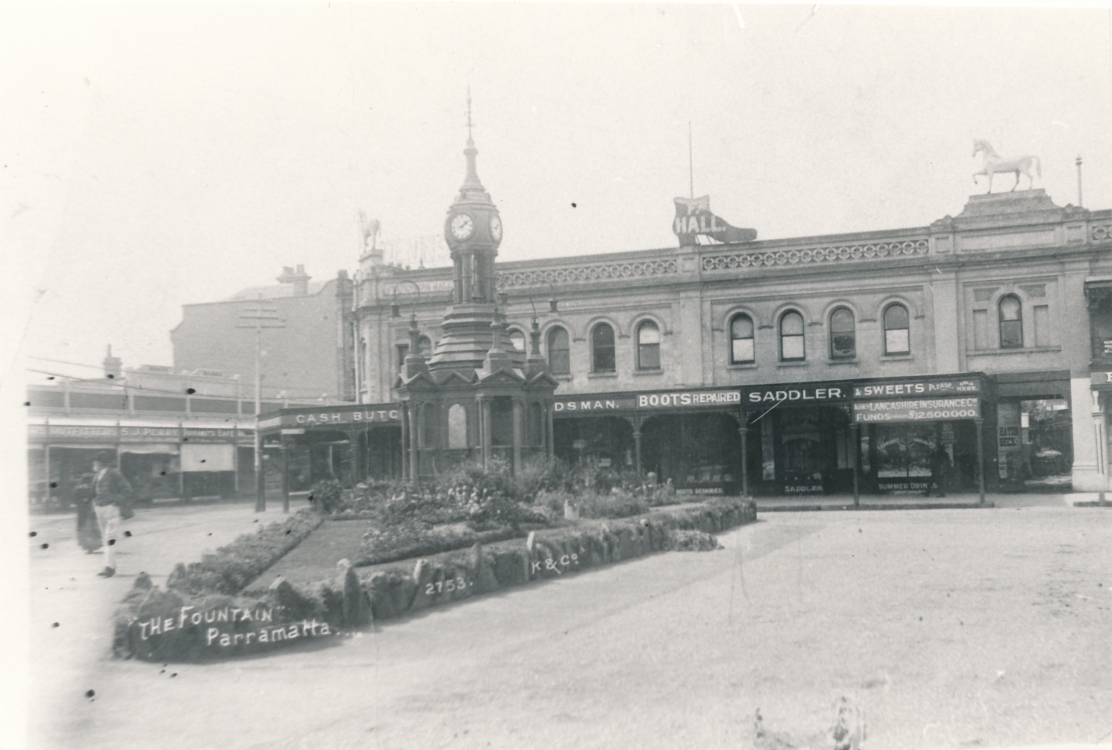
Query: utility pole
{"x": 263, "y": 316}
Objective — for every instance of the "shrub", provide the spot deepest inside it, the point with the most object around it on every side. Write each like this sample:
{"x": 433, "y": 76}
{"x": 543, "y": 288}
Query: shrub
{"x": 616, "y": 504}
{"x": 327, "y": 496}
{"x": 232, "y": 567}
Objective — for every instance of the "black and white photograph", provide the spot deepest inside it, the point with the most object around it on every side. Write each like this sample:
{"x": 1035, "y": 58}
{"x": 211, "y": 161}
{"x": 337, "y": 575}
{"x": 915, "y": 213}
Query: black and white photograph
{"x": 404, "y": 375}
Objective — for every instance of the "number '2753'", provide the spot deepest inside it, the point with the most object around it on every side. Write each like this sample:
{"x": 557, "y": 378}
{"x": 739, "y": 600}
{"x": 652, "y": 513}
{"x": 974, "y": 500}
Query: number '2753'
{"x": 449, "y": 585}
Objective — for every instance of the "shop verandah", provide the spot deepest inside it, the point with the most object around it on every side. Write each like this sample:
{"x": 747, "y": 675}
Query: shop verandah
{"x": 862, "y": 437}
{"x": 875, "y": 437}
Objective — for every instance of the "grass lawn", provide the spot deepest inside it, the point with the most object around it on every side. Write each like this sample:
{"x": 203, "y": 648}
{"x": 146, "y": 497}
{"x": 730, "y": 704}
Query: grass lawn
{"x": 316, "y": 557}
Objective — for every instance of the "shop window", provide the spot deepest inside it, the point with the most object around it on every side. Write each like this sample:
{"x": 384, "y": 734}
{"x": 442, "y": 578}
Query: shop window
{"x": 648, "y": 346}
{"x": 1042, "y": 325}
{"x": 897, "y": 333}
{"x": 791, "y": 336}
{"x": 602, "y": 348}
{"x": 843, "y": 337}
{"x": 741, "y": 340}
{"x": 559, "y": 353}
{"x": 1011, "y": 322}
{"x": 517, "y": 338}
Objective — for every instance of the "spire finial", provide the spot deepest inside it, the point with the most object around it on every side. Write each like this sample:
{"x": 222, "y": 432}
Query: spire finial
{"x": 469, "y": 114}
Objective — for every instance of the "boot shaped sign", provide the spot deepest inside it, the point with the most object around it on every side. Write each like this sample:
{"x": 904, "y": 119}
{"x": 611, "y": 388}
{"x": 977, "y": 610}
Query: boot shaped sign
{"x": 693, "y": 217}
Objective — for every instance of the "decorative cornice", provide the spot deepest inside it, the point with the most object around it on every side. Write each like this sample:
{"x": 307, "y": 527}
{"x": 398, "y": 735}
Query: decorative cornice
{"x": 809, "y": 255}
{"x": 587, "y": 273}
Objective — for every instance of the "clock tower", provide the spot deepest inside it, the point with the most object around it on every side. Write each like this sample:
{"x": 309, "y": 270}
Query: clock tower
{"x": 477, "y": 396}
{"x": 473, "y": 230}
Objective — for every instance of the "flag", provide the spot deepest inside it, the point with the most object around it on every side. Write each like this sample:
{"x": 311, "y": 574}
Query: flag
{"x": 693, "y": 217}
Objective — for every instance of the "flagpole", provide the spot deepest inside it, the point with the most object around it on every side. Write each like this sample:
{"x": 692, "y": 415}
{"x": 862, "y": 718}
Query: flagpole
{"x": 690, "y": 161}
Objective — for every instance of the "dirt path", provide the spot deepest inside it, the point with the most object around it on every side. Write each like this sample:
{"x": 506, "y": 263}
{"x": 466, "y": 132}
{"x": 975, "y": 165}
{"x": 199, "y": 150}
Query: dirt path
{"x": 948, "y": 628}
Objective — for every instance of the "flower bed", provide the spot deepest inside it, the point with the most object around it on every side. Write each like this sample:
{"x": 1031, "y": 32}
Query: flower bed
{"x": 395, "y": 590}
{"x": 232, "y": 567}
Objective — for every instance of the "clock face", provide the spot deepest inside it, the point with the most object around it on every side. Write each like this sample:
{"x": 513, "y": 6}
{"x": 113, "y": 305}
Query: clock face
{"x": 496, "y": 228}
{"x": 462, "y": 226}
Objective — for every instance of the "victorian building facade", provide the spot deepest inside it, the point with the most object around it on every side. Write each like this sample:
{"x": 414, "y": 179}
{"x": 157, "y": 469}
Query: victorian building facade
{"x": 807, "y": 365}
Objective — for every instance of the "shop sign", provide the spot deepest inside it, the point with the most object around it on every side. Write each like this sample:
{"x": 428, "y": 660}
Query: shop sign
{"x": 917, "y": 388}
{"x": 917, "y": 410}
{"x": 210, "y": 434}
{"x": 592, "y": 403}
{"x": 773, "y": 394}
{"x": 695, "y": 398}
{"x": 94, "y": 433}
{"x": 362, "y": 416}
{"x": 143, "y": 434}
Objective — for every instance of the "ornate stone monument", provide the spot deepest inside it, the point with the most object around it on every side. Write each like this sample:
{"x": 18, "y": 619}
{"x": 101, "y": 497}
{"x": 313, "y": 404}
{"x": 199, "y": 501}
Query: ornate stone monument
{"x": 477, "y": 396}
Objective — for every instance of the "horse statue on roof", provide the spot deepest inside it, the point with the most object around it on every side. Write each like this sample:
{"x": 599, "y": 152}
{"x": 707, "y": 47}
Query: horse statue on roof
{"x": 369, "y": 228}
{"x": 995, "y": 163}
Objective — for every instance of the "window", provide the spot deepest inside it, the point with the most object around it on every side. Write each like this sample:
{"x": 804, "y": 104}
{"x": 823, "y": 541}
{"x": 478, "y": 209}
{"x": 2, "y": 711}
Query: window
{"x": 559, "y": 354}
{"x": 517, "y": 338}
{"x": 843, "y": 338}
{"x": 897, "y": 335}
{"x": 1011, "y": 322}
{"x": 791, "y": 336}
{"x": 424, "y": 346}
{"x": 403, "y": 352}
{"x": 648, "y": 346}
{"x": 602, "y": 348}
{"x": 741, "y": 340}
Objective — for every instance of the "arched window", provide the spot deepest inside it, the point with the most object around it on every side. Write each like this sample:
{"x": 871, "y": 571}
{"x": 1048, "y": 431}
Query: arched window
{"x": 791, "y": 336}
{"x": 559, "y": 353}
{"x": 843, "y": 338}
{"x": 602, "y": 348}
{"x": 648, "y": 346}
{"x": 517, "y": 338}
{"x": 424, "y": 346}
{"x": 741, "y": 340}
{"x": 897, "y": 333}
{"x": 1011, "y": 322}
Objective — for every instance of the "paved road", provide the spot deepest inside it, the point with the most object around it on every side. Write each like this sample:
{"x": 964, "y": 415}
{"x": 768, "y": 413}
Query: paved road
{"x": 949, "y": 628}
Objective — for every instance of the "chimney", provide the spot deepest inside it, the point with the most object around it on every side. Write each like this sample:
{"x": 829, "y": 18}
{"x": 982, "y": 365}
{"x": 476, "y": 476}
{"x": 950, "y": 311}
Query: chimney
{"x": 113, "y": 366}
{"x": 298, "y": 278}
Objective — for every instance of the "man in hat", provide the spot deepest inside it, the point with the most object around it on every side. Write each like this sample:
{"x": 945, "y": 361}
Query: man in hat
{"x": 110, "y": 488}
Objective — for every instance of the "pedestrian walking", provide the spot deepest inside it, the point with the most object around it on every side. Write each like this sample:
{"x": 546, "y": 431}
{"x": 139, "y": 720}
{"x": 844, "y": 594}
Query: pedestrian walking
{"x": 88, "y": 529}
{"x": 111, "y": 491}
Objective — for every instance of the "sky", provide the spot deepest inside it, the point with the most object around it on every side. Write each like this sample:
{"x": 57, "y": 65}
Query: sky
{"x": 162, "y": 155}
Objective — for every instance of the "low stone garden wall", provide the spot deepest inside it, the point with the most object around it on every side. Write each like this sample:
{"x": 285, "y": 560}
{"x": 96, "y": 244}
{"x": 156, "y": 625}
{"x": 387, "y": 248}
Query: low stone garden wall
{"x": 395, "y": 590}
{"x": 177, "y": 625}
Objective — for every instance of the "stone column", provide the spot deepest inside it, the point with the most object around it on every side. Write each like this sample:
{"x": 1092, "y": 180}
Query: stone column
{"x": 980, "y": 422}
{"x": 414, "y": 446}
{"x": 548, "y": 415}
{"x": 286, "y": 450}
{"x": 484, "y": 431}
{"x": 519, "y": 411}
{"x": 743, "y": 431}
{"x": 637, "y": 446}
{"x": 466, "y": 263}
{"x": 405, "y": 442}
{"x": 855, "y": 438}
{"x": 1101, "y": 444}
